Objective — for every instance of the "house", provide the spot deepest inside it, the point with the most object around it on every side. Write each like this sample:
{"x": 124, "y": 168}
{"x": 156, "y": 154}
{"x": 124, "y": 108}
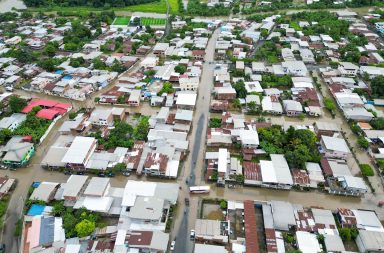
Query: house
{"x": 17, "y": 152}
{"x": 348, "y": 69}
{"x": 353, "y": 185}
{"x": 101, "y": 117}
{"x": 225, "y": 93}
{"x": 204, "y": 248}
{"x": 79, "y": 152}
{"x": 189, "y": 83}
{"x": 12, "y": 122}
{"x": 276, "y": 173}
{"x": 134, "y": 98}
{"x": 198, "y": 54}
{"x": 334, "y": 147}
{"x": 315, "y": 174}
{"x": 326, "y": 128}
{"x": 292, "y": 108}
{"x": 370, "y": 241}
{"x": 211, "y": 230}
{"x": 371, "y": 71}
{"x": 160, "y": 48}
{"x": 295, "y": 68}
{"x": 73, "y": 188}
{"x": 271, "y": 104}
{"x": 42, "y": 232}
{"x": 186, "y": 100}
{"x": 141, "y": 241}
{"x": 307, "y": 242}
{"x": 178, "y": 24}
{"x": 358, "y": 114}
{"x": 44, "y": 192}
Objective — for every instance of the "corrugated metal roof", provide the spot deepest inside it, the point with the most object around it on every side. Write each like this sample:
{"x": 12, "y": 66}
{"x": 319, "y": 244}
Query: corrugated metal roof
{"x": 251, "y": 240}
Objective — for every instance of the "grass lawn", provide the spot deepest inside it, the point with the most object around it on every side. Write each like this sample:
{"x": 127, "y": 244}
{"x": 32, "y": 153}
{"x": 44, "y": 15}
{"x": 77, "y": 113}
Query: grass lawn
{"x": 295, "y": 26}
{"x": 153, "y": 21}
{"x": 121, "y": 21}
{"x": 155, "y": 7}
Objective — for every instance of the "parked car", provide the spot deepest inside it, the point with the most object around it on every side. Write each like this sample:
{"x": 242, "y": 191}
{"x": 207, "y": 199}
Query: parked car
{"x": 127, "y": 174}
{"x": 80, "y": 173}
{"x": 2, "y": 248}
{"x": 101, "y": 174}
{"x": 111, "y": 174}
{"x": 173, "y": 243}
{"x": 193, "y": 234}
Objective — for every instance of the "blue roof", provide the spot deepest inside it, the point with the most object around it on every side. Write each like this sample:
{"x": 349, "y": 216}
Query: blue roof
{"x": 59, "y": 72}
{"x": 67, "y": 77}
{"x": 36, "y": 210}
{"x": 36, "y": 184}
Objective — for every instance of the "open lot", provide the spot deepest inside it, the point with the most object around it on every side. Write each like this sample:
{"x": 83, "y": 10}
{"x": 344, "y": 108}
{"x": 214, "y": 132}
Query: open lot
{"x": 121, "y": 21}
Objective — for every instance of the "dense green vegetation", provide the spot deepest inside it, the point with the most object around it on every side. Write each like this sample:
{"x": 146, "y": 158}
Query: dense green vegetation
{"x": 377, "y": 123}
{"x": 17, "y": 104}
{"x": 167, "y": 88}
{"x": 298, "y": 146}
{"x": 124, "y": 135}
{"x": 268, "y": 52}
{"x": 78, "y": 222}
{"x": 91, "y": 3}
{"x": 328, "y": 23}
{"x": 274, "y": 81}
{"x": 323, "y": 4}
{"x": 195, "y": 7}
{"x": 34, "y": 126}
{"x": 377, "y": 86}
{"x": 214, "y": 122}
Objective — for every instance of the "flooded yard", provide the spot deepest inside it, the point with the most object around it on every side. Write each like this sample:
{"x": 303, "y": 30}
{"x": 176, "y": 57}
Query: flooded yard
{"x": 212, "y": 212}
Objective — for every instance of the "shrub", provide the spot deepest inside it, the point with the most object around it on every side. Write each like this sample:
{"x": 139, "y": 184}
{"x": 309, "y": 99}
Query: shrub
{"x": 366, "y": 170}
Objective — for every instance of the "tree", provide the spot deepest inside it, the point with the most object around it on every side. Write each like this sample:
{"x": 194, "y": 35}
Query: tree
{"x": 214, "y": 122}
{"x": 330, "y": 105}
{"x": 180, "y": 69}
{"x": 141, "y": 130}
{"x": 58, "y": 208}
{"x": 167, "y": 88}
{"x": 223, "y": 204}
{"x": 69, "y": 223}
{"x": 345, "y": 234}
{"x": 236, "y": 103}
{"x": 84, "y": 228}
{"x": 363, "y": 143}
{"x": 50, "y": 50}
{"x": 5, "y": 134}
{"x": 378, "y": 123}
{"x": 377, "y": 86}
{"x": 17, "y": 104}
{"x": 98, "y": 64}
{"x": 241, "y": 91}
{"x": 252, "y": 106}
{"x": 119, "y": 167}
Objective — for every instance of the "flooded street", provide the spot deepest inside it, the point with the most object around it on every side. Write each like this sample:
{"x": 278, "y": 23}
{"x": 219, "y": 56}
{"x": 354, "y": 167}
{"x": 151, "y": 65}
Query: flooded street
{"x": 7, "y": 5}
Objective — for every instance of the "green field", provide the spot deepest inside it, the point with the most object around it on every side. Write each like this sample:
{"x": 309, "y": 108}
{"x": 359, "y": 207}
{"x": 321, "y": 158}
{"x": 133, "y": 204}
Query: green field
{"x": 121, "y": 21}
{"x": 155, "y": 7}
{"x": 153, "y": 21}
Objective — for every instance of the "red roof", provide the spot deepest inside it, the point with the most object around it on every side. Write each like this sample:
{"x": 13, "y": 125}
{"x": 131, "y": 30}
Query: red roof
{"x": 251, "y": 242}
{"x": 47, "y": 114}
{"x": 252, "y": 171}
{"x": 47, "y": 104}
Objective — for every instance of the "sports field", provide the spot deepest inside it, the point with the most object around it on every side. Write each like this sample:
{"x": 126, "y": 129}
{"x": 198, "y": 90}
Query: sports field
{"x": 121, "y": 20}
{"x": 153, "y": 21}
